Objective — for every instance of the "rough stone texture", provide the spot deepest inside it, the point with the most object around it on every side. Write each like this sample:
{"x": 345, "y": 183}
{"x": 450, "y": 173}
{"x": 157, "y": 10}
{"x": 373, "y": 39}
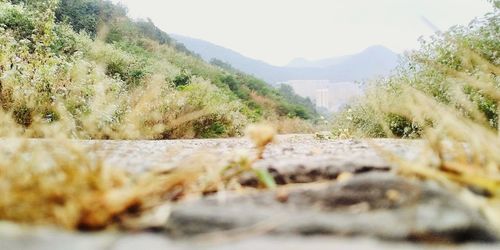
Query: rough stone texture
{"x": 373, "y": 210}
{"x": 289, "y": 154}
{"x": 14, "y": 237}
{"x": 374, "y": 204}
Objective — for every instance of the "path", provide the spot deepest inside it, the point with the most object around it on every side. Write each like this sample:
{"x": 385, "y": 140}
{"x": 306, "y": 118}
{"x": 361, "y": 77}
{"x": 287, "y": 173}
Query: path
{"x": 374, "y": 209}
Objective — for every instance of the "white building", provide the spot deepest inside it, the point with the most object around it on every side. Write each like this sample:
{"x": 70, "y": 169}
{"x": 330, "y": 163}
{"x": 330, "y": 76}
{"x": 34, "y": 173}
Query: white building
{"x": 326, "y": 94}
{"x": 322, "y": 98}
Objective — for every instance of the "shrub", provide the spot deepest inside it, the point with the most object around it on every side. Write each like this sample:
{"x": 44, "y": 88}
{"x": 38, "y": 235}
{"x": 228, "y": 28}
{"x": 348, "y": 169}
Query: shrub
{"x": 182, "y": 79}
{"x": 18, "y": 20}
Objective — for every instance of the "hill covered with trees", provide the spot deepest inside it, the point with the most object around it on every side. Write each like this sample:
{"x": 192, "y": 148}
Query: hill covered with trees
{"x": 86, "y": 67}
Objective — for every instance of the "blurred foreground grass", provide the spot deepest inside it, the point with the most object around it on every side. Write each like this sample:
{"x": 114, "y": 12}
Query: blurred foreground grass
{"x": 55, "y": 182}
{"x": 447, "y": 93}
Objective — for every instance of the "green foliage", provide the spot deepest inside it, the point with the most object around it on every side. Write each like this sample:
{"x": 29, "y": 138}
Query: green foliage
{"x": 287, "y": 102}
{"x": 495, "y": 3}
{"x": 265, "y": 178}
{"x": 182, "y": 79}
{"x": 149, "y": 30}
{"x": 82, "y": 15}
{"x": 299, "y": 107}
{"x": 67, "y": 42}
{"x": 220, "y": 115}
{"x": 87, "y": 15}
{"x": 14, "y": 17}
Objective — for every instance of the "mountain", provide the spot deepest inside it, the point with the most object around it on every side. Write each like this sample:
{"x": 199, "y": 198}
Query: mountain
{"x": 371, "y": 62}
{"x": 209, "y": 51}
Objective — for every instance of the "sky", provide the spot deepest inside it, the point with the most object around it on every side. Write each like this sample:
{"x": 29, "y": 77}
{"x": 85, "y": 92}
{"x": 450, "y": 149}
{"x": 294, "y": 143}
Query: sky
{"x": 276, "y": 31}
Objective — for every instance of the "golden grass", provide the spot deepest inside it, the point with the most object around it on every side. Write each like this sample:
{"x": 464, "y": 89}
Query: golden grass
{"x": 54, "y": 182}
{"x": 295, "y": 126}
{"x": 462, "y": 150}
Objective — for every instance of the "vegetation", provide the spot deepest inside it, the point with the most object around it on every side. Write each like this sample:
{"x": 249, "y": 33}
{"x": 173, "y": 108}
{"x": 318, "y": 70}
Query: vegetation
{"x": 290, "y": 104}
{"x": 81, "y": 69}
{"x": 447, "y": 68}
{"x": 447, "y": 93}
{"x": 96, "y": 196}
{"x": 84, "y": 66}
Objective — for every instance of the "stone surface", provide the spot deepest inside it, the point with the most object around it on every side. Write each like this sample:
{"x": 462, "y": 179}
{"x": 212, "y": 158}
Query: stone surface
{"x": 52, "y": 239}
{"x": 342, "y": 195}
{"x": 374, "y": 204}
{"x": 287, "y": 154}
{"x": 15, "y": 237}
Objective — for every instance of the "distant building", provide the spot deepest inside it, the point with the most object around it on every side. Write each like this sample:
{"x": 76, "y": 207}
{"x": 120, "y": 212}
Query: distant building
{"x": 323, "y": 98}
{"x": 325, "y": 94}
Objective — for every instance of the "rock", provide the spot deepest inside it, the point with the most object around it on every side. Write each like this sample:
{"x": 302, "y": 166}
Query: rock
{"x": 375, "y": 204}
{"x": 361, "y": 209}
{"x": 291, "y": 242}
{"x": 146, "y": 241}
{"x": 50, "y": 239}
{"x": 15, "y": 237}
{"x": 312, "y": 170}
{"x": 299, "y": 160}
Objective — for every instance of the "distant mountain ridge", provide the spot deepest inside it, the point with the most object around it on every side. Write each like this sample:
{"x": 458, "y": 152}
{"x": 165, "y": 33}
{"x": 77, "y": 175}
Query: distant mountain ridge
{"x": 322, "y": 63}
{"x": 373, "y": 61}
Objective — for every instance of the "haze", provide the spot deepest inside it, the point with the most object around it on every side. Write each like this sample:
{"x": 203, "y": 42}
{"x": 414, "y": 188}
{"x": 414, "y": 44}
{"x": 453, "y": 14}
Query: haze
{"x": 276, "y": 31}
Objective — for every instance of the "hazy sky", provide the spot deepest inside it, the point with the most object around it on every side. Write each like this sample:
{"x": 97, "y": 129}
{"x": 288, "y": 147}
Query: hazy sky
{"x": 277, "y": 31}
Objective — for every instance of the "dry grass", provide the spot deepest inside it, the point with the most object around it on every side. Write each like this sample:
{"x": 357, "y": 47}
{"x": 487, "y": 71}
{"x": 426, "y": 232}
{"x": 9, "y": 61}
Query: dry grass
{"x": 42, "y": 184}
{"x": 295, "y": 126}
{"x": 462, "y": 148}
{"x": 53, "y": 182}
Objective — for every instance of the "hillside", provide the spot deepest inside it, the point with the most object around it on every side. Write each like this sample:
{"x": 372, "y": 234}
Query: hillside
{"x": 99, "y": 74}
{"x": 373, "y": 61}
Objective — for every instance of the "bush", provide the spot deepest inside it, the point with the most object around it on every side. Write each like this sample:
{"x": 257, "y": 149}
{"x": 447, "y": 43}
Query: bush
{"x": 17, "y": 20}
{"x": 182, "y": 79}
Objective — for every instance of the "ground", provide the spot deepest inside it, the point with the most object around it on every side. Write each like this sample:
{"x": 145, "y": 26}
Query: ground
{"x": 341, "y": 194}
